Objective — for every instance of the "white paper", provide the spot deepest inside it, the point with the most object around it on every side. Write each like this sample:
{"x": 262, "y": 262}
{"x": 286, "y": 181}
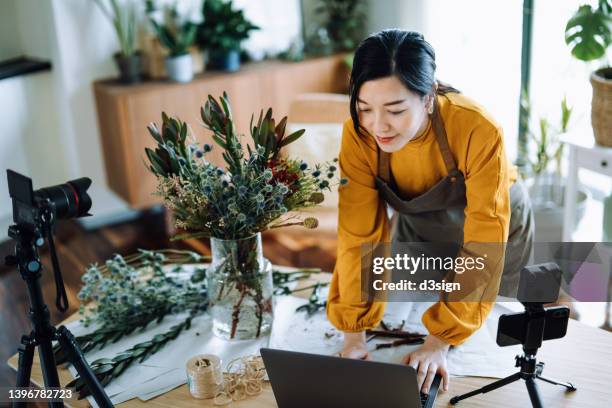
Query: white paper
{"x": 478, "y": 356}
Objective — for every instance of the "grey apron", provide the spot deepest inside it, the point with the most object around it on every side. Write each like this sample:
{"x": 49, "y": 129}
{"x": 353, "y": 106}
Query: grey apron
{"x": 437, "y": 215}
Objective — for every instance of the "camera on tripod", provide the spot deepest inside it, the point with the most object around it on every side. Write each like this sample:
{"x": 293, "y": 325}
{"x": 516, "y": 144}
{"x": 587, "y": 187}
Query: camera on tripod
{"x": 68, "y": 200}
{"x": 34, "y": 214}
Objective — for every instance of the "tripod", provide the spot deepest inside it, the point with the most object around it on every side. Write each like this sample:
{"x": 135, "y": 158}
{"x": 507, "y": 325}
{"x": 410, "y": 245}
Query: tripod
{"x": 530, "y": 369}
{"x": 28, "y": 263}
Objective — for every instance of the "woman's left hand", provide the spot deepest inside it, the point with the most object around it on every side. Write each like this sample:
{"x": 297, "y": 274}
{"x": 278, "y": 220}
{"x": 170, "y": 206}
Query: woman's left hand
{"x": 428, "y": 360}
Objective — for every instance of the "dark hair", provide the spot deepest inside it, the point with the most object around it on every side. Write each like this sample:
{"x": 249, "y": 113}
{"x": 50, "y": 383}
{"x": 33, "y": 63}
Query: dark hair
{"x": 404, "y": 54}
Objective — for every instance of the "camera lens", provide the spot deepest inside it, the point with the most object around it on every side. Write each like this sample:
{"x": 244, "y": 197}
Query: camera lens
{"x": 71, "y": 199}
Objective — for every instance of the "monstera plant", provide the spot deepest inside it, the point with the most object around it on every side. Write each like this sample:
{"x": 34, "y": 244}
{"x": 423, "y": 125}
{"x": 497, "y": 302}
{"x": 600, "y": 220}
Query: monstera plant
{"x": 588, "y": 33}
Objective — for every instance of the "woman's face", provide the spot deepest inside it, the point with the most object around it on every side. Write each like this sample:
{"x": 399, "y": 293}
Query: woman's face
{"x": 391, "y": 113}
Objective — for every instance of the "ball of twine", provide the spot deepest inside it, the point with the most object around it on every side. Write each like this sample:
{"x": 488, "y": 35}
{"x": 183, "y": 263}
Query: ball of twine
{"x": 204, "y": 376}
{"x": 243, "y": 378}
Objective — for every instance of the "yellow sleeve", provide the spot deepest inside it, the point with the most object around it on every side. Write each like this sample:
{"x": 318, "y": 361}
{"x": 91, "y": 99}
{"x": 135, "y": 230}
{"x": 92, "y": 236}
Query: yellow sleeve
{"x": 487, "y": 217}
{"x": 362, "y": 219}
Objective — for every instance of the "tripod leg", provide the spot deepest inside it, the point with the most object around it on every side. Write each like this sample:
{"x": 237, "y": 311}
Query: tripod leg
{"x": 490, "y": 387}
{"x": 568, "y": 385}
{"x": 24, "y": 370}
{"x": 26, "y": 356}
{"x": 47, "y": 363}
{"x": 75, "y": 356}
{"x": 534, "y": 396}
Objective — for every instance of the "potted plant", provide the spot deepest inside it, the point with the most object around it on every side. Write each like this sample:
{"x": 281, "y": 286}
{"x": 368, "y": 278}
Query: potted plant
{"x": 258, "y": 190}
{"x": 545, "y": 180}
{"x": 588, "y": 34}
{"x": 344, "y": 22}
{"x": 221, "y": 32}
{"x": 177, "y": 35}
{"x": 128, "y": 60}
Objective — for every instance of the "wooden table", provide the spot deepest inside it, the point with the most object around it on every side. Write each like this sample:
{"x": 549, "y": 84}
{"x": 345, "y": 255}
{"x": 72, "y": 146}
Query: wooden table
{"x": 583, "y": 357}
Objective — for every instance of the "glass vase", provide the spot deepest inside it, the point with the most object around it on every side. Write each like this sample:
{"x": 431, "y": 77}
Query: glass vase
{"x": 240, "y": 288}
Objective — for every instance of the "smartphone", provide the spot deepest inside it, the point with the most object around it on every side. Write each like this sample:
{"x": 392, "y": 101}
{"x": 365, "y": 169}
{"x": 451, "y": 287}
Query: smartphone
{"x": 512, "y": 328}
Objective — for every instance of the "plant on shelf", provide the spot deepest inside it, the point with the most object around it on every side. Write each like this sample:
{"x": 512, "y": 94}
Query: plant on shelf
{"x": 588, "y": 33}
{"x": 341, "y": 29}
{"x": 257, "y": 191}
{"x": 222, "y": 31}
{"x": 123, "y": 18}
{"x": 176, "y": 34}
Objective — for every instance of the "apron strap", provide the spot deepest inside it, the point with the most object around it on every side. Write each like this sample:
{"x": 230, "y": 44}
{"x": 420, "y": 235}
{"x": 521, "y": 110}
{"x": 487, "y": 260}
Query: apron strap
{"x": 440, "y": 132}
{"x": 384, "y": 167}
{"x": 384, "y": 158}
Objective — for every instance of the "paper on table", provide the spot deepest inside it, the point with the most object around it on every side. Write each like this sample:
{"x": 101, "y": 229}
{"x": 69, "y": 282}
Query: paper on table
{"x": 478, "y": 356}
{"x": 160, "y": 369}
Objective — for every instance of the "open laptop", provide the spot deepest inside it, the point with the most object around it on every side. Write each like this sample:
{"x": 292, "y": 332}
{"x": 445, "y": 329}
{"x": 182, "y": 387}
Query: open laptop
{"x": 313, "y": 380}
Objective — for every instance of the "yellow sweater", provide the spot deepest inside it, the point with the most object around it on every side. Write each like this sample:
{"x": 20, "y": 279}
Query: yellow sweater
{"x": 476, "y": 142}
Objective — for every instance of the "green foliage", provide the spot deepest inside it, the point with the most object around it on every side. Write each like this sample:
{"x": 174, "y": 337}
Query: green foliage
{"x": 137, "y": 289}
{"x": 223, "y": 28}
{"x": 344, "y": 21}
{"x": 588, "y": 32}
{"x": 124, "y": 23}
{"x": 256, "y": 191}
{"x": 175, "y": 35}
{"x": 106, "y": 369}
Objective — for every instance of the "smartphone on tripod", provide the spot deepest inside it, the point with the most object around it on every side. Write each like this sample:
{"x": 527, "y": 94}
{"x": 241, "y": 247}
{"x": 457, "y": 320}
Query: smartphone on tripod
{"x": 513, "y": 327}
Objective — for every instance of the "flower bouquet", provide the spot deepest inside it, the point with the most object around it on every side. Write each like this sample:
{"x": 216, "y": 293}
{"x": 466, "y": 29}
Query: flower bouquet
{"x": 258, "y": 190}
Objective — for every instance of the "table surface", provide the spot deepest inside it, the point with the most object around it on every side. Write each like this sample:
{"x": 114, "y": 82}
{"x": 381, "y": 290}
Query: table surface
{"x": 583, "y": 357}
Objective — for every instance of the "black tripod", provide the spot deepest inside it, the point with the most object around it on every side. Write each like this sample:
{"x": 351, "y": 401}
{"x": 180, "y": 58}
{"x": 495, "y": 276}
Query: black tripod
{"x": 530, "y": 368}
{"x": 27, "y": 261}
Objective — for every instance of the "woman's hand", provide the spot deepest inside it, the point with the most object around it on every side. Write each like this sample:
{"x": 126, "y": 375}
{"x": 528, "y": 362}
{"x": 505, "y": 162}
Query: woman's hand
{"x": 428, "y": 360}
{"x": 354, "y": 346}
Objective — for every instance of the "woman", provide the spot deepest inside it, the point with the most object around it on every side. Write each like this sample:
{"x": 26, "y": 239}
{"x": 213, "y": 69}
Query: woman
{"x": 438, "y": 159}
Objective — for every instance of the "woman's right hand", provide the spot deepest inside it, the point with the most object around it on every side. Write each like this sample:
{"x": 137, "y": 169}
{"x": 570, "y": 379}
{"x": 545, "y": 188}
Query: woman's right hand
{"x": 354, "y": 346}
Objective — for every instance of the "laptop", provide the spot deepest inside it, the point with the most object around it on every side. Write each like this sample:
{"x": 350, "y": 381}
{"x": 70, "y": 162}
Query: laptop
{"x": 313, "y": 380}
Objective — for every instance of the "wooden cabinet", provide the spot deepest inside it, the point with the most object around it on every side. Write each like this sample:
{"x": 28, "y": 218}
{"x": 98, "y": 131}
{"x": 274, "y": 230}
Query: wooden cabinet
{"x": 125, "y": 111}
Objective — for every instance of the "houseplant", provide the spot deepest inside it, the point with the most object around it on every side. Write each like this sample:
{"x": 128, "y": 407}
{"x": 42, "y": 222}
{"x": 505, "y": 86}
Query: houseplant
{"x": 341, "y": 27}
{"x": 123, "y": 18}
{"x": 177, "y": 34}
{"x": 545, "y": 179}
{"x": 588, "y": 33}
{"x": 257, "y": 191}
{"x": 221, "y": 33}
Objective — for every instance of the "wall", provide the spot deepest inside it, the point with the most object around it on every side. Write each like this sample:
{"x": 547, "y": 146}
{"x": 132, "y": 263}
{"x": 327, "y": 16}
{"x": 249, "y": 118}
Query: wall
{"x": 10, "y": 46}
{"x": 29, "y": 130}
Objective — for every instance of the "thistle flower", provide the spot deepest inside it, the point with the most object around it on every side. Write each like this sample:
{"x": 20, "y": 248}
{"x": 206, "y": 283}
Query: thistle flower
{"x": 267, "y": 174}
{"x": 311, "y": 223}
{"x": 316, "y": 198}
{"x": 255, "y": 188}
